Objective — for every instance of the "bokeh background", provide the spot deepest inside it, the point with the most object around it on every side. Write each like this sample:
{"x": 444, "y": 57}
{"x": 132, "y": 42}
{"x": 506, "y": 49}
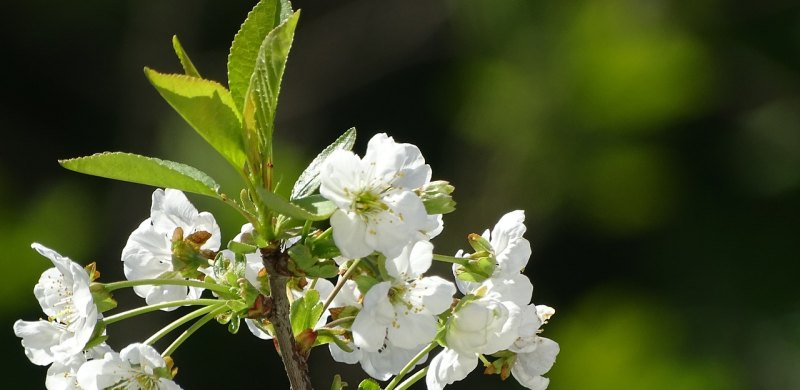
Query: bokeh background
{"x": 654, "y": 145}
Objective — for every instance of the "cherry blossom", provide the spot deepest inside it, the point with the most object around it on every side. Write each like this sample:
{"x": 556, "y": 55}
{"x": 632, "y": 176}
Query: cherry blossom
{"x": 148, "y": 253}
{"x": 377, "y": 208}
{"x": 64, "y": 296}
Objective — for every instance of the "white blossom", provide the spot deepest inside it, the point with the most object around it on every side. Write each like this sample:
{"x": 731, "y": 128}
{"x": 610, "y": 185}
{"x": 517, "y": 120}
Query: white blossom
{"x": 64, "y": 295}
{"x": 137, "y": 366}
{"x": 511, "y": 250}
{"x": 404, "y": 309}
{"x": 381, "y": 364}
{"x": 148, "y": 252}
{"x": 377, "y": 208}
{"x": 535, "y": 354}
{"x": 388, "y": 360}
{"x": 448, "y": 367}
{"x": 62, "y": 375}
{"x": 529, "y": 366}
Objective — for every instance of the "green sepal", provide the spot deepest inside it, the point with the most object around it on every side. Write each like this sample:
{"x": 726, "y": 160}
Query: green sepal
{"x": 343, "y": 312}
{"x": 337, "y": 383}
{"x": 476, "y": 270}
{"x": 369, "y": 384}
{"x": 186, "y": 62}
{"x": 208, "y": 107}
{"x": 103, "y": 298}
{"x": 234, "y": 324}
{"x": 151, "y": 171}
{"x": 479, "y": 244}
{"x": 98, "y": 336}
{"x": 327, "y": 336}
{"x": 309, "y": 180}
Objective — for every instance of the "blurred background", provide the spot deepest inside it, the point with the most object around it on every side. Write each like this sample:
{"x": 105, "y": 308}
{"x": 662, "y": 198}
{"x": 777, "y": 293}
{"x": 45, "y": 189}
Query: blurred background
{"x": 654, "y": 145}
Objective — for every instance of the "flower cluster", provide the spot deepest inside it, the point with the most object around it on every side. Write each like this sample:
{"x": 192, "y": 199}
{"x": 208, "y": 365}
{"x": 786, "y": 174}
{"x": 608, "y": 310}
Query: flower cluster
{"x": 384, "y": 311}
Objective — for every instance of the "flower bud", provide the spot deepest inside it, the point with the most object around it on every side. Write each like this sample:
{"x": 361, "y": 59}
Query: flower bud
{"x": 436, "y": 197}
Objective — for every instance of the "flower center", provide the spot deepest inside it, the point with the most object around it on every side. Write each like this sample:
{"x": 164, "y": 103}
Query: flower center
{"x": 369, "y": 202}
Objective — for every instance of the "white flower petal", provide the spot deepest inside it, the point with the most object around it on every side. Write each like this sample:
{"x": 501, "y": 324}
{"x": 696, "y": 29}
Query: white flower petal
{"x": 529, "y": 367}
{"x": 38, "y": 339}
{"x": 448, "y": 367}
{"x": 400, "y": 164}
{"x": 171, "y": 208}
{"x": 410, "y": 330}
{"x": 62, "y": 375}
{"x": 514, "y": 257}
{"x": 432, "y": 294}
{"x": 389, "y": 361}
{"x": 508, "y": 229}
{"x": 349, "y": 234}
{"x": 391, "y": 230}
{"x": 343, "y": 356}
{"x": 412, "y": 262}
{"x": 517, "y": 289}
{"x": 341, "y": 176}
{"x": 369, "y": 327}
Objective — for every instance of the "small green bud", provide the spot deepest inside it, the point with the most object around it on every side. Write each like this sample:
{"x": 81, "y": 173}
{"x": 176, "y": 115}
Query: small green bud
{"x": 436, "y": 197}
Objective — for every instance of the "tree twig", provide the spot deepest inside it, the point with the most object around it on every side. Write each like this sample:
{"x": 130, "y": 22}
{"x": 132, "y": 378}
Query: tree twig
{"x": 294, "y": 361}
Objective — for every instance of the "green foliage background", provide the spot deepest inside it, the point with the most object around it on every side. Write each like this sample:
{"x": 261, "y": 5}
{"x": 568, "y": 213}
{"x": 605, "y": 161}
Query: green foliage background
{"x": 655, "y": 147}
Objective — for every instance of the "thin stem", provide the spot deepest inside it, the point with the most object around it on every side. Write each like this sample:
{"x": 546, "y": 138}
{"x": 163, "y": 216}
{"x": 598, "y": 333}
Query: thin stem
{"x": 486, "y": 362}
{"x": 410, "y": 365}
{"x": 451, "y": 259}
{"x": 306, "y": 229}
{"x": 232, "y": 202}
{"x": 167, "y": 282}
{"x": 180, "y": 321}
{"x": 150, "y": 308}
{"x": 340, "y": 284}
{"x": 327, "y": 233}
{"x": 413, "y": 379}
{"x": 189, "y": 331}
{"x": 339, "y": 321}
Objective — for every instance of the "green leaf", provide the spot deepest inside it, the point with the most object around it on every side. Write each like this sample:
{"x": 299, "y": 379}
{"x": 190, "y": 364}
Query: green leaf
{"x": 305, "y": 312}
{"x": 186, "y": 62}
{"x": 208, "y": 107}
{"x": 368, "y": 384}
{"x": 275, "y": 203}
{"x": 144, "y": 170}
{"x": 261, "y": 98}
{"x": 316, "y": 205}
{"x": 309, "y": 181}
{"x": 264, "y": 17}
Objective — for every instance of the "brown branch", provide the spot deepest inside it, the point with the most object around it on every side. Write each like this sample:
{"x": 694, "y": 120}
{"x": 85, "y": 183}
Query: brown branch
{"x": 294, "y": 361}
